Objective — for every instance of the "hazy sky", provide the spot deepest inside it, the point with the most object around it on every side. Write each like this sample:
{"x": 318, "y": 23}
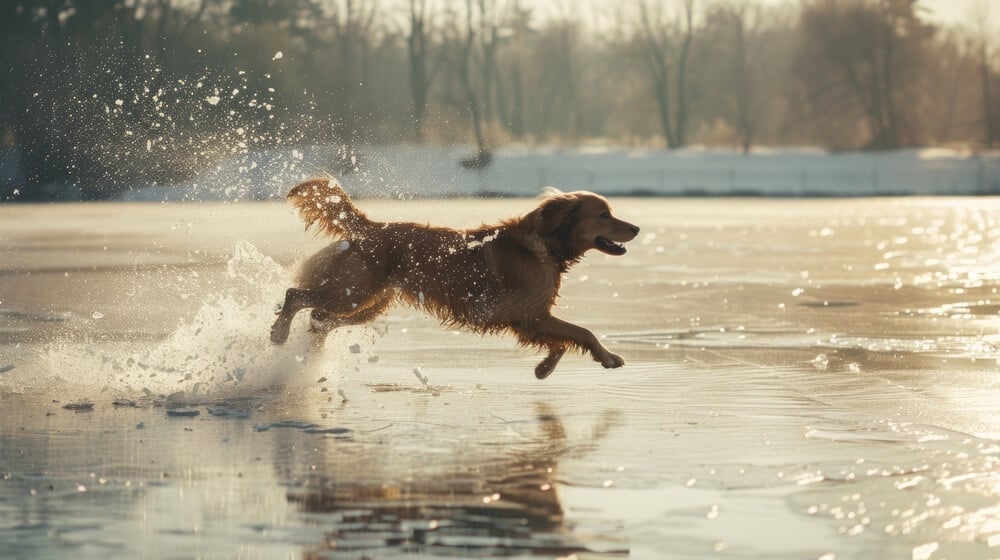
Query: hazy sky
{"x": 944, "y": 11}
{"x": 952, "y": 11}
{"x": 938, "y": 11}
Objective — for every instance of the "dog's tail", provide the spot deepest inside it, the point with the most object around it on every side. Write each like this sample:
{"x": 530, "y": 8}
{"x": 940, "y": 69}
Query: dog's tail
{"x": 323, "y": 203}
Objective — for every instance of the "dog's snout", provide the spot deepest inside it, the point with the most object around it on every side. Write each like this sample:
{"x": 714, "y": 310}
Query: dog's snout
{"x": 624, "y": 226}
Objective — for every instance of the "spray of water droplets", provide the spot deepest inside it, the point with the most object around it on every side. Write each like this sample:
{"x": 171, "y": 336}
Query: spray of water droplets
{"x": 223, "y": 351}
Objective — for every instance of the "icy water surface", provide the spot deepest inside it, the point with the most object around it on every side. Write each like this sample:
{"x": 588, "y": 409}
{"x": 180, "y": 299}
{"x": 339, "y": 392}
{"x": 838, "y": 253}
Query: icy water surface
{"x": 804, "y": 379}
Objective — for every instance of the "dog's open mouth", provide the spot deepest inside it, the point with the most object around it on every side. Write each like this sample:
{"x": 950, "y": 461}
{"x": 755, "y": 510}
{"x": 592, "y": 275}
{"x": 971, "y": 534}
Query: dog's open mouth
{"x": 608, "y": 246}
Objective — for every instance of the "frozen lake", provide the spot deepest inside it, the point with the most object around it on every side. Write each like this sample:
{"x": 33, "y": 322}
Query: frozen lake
{"x": 804, "y": 379}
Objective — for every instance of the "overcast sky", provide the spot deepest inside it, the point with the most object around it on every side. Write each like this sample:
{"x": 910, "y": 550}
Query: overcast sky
{"x": 938, "y": 11}
{"x": 951, "y": 11}
{"x": 944, "y": 11}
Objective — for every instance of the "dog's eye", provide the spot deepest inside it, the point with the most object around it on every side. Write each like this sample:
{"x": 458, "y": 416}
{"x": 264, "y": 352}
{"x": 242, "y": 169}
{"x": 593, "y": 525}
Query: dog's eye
{"x": 606, "y": 215}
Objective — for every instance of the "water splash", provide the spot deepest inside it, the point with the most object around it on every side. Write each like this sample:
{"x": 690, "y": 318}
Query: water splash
{"x": 223, "y": 351}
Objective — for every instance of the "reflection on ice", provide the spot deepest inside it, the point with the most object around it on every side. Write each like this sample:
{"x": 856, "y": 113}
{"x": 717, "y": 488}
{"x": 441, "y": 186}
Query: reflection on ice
{"x": 506, "y": 503}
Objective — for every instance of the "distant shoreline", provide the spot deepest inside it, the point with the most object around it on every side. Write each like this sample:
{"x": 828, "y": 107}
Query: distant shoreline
{"x": 408, "y": 171}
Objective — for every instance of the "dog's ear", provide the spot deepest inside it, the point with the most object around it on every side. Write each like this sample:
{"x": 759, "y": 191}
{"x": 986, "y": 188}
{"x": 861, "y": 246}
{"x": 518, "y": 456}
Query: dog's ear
{"x": 554, "y": 213}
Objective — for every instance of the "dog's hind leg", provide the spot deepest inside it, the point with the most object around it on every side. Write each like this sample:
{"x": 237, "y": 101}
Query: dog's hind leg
{"x": 295, "y": 300}
{"x": 320, "y": 324}
{"x": 322, "y": 321}
{"x": 548, "y": 365}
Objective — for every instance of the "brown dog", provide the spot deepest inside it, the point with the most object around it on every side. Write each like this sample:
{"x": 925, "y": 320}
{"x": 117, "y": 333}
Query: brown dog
{"x": 490, "y": 279}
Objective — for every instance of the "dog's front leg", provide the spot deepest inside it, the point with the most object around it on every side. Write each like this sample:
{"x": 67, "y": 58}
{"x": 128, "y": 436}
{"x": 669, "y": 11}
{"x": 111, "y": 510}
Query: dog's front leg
{"x": 555, "y": 328}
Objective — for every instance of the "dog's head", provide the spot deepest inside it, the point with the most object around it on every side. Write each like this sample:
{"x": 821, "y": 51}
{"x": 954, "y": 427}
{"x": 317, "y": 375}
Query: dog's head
{"x": 573, "y": 223}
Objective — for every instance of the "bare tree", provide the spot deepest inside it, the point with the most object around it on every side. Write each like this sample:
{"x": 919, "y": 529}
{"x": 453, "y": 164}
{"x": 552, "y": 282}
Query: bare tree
{"x": 866, "y": 74}
{"x": 948, "y": 102}
{"x": 869, "y": 51}
{"x": 560, "y": 110}
{"x": 489, "y": 41}
{"x": 665, "y": 47}
{"x": 741, "y": 30}
{"x": 422, "y": 72}
{"x": 352, "y": 24}
{"x": 984, "y": 33}
{"x": 461, "y": 42}
{"x": 512, "y": 118}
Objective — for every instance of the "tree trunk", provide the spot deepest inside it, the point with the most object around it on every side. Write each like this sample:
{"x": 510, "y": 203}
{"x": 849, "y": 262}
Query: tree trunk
{"x": 680, "y": 120}
{"x": 744, "y": 119}
{"x": 513, "y": 116}
{"x": 416, "y": 43}
{"x": 989, "y": 118}
{"x": 682, "y": 107}
{"x": 661, "y": 91}
{"x": 464, "y": 77}
{"x": 892, "y": 140}
{"x": 489, "y": 66}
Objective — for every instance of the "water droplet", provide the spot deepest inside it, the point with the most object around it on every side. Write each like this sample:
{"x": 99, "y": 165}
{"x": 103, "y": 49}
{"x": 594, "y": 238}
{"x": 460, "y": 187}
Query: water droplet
{"x": 924, "y": 551}
{"x": 820, "y": 362}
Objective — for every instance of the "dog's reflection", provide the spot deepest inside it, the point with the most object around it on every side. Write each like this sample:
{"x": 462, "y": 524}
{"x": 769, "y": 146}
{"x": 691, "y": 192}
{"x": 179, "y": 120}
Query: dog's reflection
{"x": 502, "y": 504}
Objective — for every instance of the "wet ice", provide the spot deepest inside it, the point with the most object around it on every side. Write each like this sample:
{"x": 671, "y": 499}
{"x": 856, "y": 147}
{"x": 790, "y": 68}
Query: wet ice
{"x": 863, "y": 421}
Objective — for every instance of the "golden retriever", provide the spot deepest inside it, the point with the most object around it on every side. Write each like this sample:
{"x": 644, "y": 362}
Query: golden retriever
{"x": 490, "y": 279}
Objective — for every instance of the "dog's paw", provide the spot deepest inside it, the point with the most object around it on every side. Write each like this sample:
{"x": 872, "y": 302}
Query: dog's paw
{"x": 548, "y": 365}
{"x": 612, "y": 360}
{"x": 543, "y": 370}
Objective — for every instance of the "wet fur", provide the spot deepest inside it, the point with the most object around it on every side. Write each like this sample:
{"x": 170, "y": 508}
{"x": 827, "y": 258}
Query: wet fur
{"x": 491, "y": 279}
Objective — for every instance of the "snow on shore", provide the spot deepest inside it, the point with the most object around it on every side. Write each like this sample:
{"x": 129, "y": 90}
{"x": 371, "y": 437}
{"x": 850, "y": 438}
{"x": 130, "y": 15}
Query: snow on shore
{"x": 392, "y": 171}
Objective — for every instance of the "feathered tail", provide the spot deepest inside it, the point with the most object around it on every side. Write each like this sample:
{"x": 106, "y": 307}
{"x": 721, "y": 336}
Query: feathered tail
{"x": 323, "y": 203}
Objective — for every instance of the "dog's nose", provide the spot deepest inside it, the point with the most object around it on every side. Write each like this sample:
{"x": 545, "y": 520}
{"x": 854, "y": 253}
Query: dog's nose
{"x": 635, "y": 230}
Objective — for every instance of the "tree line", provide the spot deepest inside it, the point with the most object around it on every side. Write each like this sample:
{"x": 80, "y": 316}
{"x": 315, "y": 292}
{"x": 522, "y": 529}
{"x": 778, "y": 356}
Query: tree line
{"x": 109, "y": 94}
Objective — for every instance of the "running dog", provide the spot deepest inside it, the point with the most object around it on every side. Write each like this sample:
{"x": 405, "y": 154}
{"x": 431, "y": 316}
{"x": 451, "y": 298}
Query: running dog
{"x": 490, "y": 279}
